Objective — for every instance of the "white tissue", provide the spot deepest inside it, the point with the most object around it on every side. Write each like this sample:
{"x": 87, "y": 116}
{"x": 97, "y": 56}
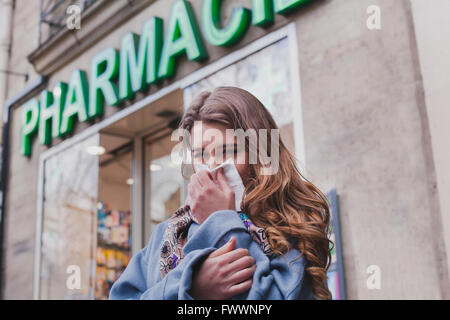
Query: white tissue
{"x": 234, "y": 179}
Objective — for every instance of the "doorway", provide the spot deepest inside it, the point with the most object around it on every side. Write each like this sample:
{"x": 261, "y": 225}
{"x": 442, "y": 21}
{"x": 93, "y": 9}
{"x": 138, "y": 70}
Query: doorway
{"x": 139, "y": 185}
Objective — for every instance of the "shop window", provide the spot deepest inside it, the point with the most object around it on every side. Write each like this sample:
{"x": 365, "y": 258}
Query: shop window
{"x": 69, "y": 213}
{"x": 113, "y": 250}
{"x": 164, "y": 183}
{"x": 86, "y": 218}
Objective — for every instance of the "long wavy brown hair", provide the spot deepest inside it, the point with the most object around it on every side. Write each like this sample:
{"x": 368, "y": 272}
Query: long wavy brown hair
{"x": 293, "y": 211}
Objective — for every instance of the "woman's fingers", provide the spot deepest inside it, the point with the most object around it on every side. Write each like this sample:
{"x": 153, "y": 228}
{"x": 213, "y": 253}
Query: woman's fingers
{"x": 242, "y": 275}
{"x": 195, "y": 183}
{"x": 227, "y": 247}
{"x": 194, "y": 187}
{"x": 192, "y": 190}
{"x": 205, "y": 179}
{"x": 240, "y": 264}
{"x": 234, "y": 255}
{"x": 240, "y": 287}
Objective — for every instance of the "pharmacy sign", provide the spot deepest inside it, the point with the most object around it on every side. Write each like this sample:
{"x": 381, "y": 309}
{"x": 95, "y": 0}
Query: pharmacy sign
{"x": 142, "y": 60}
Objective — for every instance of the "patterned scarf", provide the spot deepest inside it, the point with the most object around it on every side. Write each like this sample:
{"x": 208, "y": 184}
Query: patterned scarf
{"x": 176, "y": 235}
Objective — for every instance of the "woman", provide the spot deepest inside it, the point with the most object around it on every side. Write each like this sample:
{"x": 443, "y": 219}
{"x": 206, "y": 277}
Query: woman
{"x": 216, "y": 255}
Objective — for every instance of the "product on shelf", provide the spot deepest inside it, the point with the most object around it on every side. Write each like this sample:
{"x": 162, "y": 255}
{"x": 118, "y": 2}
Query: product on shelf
{"x": 113, "y": 247}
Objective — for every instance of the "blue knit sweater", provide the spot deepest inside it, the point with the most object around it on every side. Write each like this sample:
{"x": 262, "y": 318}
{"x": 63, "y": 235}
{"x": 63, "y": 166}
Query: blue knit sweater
{"x": 273, "y": 278}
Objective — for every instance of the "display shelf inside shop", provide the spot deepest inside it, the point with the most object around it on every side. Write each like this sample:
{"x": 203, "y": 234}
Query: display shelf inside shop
{"x": 113, "y": 247}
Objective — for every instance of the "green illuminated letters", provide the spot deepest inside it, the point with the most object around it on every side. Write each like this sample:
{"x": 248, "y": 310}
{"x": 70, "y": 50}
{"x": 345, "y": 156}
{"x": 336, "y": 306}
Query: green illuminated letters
{"x": 138, "y": 71}
{"x": 51, "y": 107}
{"x": 232, "y": 32}
{"x": 104, "y": 68}
{"x": 76, "y": 101}
{"x": 30, "y": 121}
{"x": 143, "y": 60}
{"x": 285, "y": 6}
{"x": 183, "y": 35}
{"x": 262, "y": 12}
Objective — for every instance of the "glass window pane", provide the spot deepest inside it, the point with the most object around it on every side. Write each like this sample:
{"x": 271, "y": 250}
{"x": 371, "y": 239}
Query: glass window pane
{"x": 86, "y": 222}
{"x": 68, "y": 222}
{"x": 163, "y": 182}
{"x": 113, "y": 213}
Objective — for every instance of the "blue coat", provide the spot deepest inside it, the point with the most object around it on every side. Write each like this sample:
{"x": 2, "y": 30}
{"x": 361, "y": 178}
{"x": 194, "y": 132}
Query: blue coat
{"x": 273, "y": 278}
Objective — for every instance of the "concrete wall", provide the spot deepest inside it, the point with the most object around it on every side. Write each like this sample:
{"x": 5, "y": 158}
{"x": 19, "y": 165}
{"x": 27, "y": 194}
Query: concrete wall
{"x": 432, "y": 28}
{"x": 20, "y": 223}
{"x": 366, "y": 134}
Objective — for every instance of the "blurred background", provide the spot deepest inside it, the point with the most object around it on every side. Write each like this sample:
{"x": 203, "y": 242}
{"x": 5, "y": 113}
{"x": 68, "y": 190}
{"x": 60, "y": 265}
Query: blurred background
{"x": 91, "y": 90}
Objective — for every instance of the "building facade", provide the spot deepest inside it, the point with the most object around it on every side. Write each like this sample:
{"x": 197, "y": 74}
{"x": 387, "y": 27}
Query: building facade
{"x": 358, "y": 88}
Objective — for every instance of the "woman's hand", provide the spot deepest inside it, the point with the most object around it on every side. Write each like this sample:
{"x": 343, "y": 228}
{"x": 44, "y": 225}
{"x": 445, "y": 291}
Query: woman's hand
{"x": 224, "y": 274}
{"x": 205, "y": 197}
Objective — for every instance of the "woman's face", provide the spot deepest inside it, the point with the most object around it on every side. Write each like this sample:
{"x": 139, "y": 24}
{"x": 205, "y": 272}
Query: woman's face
{"x": 211, "y": 147}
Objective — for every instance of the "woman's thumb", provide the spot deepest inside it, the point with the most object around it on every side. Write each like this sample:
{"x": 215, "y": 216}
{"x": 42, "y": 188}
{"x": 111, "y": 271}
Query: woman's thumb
{"x": 227, "y": 247}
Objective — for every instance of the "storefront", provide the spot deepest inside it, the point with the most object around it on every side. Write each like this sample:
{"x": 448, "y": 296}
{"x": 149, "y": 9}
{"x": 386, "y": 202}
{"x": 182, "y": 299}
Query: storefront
{"x": 90, "y": 172}
{"x": 101, "y": 191}
{"x": 121, "y": 169}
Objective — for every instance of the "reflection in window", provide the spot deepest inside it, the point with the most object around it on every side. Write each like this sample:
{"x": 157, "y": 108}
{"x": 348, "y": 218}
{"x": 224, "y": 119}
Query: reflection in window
{"x": 164, "y": 182}
{"x": 68, "y": 222}
{"x": 113, "y": 213}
